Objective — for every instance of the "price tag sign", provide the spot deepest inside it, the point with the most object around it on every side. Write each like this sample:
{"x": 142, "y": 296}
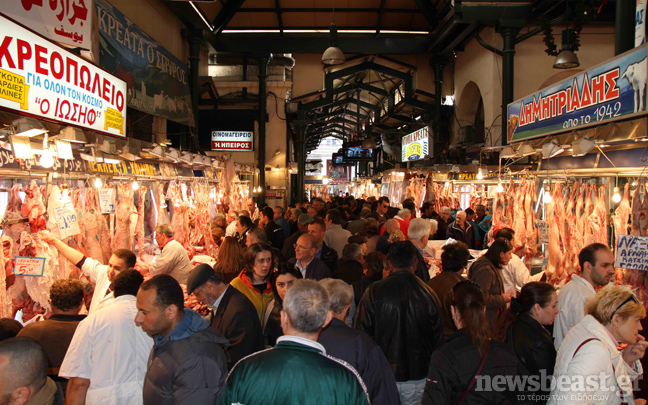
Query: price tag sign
{"x": 66, "y": 220}
{"x": 543, "y": 231}
{"x": 29, "y": 266}
{"x": 107, "y": 200}
{"x": 632, "y": 252}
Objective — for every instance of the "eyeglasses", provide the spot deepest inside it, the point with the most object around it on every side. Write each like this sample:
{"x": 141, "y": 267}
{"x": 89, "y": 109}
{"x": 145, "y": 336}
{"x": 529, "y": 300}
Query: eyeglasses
{"x": 630, "y": 298}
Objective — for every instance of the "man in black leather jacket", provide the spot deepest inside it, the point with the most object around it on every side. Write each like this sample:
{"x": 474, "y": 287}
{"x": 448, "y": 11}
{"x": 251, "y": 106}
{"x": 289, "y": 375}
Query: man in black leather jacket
{"x": 403, "y": 315}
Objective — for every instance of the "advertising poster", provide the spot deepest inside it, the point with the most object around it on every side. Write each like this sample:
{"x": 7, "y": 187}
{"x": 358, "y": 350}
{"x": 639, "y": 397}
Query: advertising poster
{"x": 40, "y": 78}
{"x": 157, "y": 81}
{"x": 415, "y": 146}
{"x": 612, "y": 90}
{"x": 66, "y": 21}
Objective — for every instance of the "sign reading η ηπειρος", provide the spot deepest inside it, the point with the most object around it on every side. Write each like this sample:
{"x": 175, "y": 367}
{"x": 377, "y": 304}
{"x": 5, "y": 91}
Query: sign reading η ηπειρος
{"x": 241, "y": 141}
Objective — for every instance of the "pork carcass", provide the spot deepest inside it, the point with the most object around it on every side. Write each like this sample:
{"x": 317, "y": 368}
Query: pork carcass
{"x": 139, "y": 227}
{"x": 531, "y": 246}
{"x": 621, "y": 215}
{"x": 15, "y": 221}
{"x": 163, "y": 213}
{"x": 122, "y": 239}
{"x": 38, "y": 287}
{"x": 571, "y": 260}
{"x": 519, "y": 217}
{"x": 556, "y": 216}
{"x": 33, "y": 207}
{"x": 598, "y": 218}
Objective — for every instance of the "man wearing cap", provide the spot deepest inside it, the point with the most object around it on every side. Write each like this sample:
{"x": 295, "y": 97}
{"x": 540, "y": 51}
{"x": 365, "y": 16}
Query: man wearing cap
{"x": 288, "y": 250}
{"x": 232, "y": 312}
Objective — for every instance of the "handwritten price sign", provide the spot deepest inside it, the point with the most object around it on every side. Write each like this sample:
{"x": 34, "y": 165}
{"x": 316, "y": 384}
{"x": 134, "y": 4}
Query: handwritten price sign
{"x": 66, "y": 220}
{"x": 29, "y": 266}
{"x": 107, "y": 200}
{"x": 632, "y": 252}
{"x": 543, "y": 231}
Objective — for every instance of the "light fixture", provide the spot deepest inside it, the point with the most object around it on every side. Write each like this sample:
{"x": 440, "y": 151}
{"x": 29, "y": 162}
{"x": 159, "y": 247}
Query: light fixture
{"x": 21, "y": 147}
{"x": 110, "y": 160}
{"x": 277, "y": 168}
{"x": 369, "y": 143}
{"x": 333, "y": 55}
{"x": 72, "y": 134}
{"x": 290, "y": 169}
{"x": 566, "y": 59}
{"x": 507, "y": 152}
{"x": 500, "y": 188}
{"x": 47, "y": 159}
{"x": 157, "y": 151}
{"x": 186, "y": 157}
{"x": 64, "y": 150}
{"x": 215, "y": 163}
{"x": 172, "y": 155}
{"x": 551, "y": 149}
{"x": 108, "y": 146}
{"x": 480, "y": 174}
{"x": 580, "y": 147}
{"x": 65, "y": 195}
{"x": 547, "y": 197}
{"x": 325, "y": 180}
{"x": 526, "y": 150}
{"x": 130, "y": 151}
{"x": 617, "y": 195}
{"x": 27, "y": 126}
{"x": 135, "y": 186}
{"x": 98, "y": 183}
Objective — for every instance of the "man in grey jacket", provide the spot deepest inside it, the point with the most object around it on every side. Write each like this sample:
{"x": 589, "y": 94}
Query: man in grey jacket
{"x": 187, "y": 364}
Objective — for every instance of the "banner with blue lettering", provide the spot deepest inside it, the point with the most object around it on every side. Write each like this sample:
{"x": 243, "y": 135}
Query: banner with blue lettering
{"x": 157, "y": 81}
{"x": 609, "y": 91}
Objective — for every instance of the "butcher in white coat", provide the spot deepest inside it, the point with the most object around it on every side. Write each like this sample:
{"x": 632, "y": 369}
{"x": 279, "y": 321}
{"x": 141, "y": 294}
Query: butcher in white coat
{"x": 100, "y": 274}
{"x": 173, "y": 260}
{"x": 597, "y": 269}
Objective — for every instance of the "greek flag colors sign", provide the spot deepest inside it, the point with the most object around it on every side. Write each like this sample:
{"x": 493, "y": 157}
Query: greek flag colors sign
{"x": 607, "y": 92}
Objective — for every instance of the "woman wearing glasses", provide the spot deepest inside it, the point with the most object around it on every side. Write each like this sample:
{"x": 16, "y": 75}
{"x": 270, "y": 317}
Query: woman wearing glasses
{"x": 460, "y": 370}
{"x": 590, "y": 352}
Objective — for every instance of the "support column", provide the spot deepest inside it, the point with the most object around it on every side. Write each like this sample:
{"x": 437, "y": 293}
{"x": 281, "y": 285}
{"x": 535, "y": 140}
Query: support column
{"x": 263, "y": 75}
{"x": 300, "y": 151}
{"x": 195, "y": 39}
{"x": 439, "y": 62}
{"x": 509, "y": 34}
{"x": 624, "y": 26}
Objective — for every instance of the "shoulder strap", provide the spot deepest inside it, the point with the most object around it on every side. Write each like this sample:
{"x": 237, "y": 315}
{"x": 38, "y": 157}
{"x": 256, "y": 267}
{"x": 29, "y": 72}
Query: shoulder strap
{"x": 581, "y": 345}
{"x": 474, "y": 379}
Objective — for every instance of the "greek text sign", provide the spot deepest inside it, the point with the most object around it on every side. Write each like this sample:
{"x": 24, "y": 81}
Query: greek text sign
{"x": 543, "y": 231}
{"x": 64, "y": 21}
{"x": 614, "y": 89}
{"x": 632, "y": 252}
{"x": 43, "y": 79}
{"x": 232, "y": 140}
{"x": 107, "y": 200}
{"x": 29, "y": 266}
{"x": 66, "y": 220}
{"x": 415, "y": 146}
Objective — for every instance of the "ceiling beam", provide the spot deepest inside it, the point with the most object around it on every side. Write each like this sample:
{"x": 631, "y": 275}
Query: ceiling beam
{"x": 279, "y": 11}
{"x": 225, "y": 15}
{"x": 265, "y": 43}
{"x": 328, "y": 10}
{"x": 381, "y": 13}
{"x": 427, "y": 9}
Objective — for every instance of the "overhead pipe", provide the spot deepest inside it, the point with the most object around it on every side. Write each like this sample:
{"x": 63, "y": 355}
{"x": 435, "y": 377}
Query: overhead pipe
{"x": 263, "y": 94}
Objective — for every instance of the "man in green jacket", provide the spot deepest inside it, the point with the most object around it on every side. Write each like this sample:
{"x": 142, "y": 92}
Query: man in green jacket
{"x": 297, "y": 370}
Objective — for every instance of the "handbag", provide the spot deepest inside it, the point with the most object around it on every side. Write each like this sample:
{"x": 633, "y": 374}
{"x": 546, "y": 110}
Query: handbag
{"x": 474, "y": 379}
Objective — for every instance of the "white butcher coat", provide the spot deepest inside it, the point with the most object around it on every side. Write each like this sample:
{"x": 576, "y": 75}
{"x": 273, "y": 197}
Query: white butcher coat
{"x": 571, "y": 306}
{"x": 173, "y": 261}
{"x": 594, "y": 358}
{"x": 231, "y": 229}
{"x": 111, "y": 351}
{"x": 98, "y": 274}
{"x": 516, "y": 274}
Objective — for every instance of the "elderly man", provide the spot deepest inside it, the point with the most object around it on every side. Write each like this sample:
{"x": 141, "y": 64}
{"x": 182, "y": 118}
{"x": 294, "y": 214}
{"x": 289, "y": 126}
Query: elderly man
{"x": 281, "y": 221}
{"x": 312, "y": 376}
{"x": 419, "y": 234}
{"x": 106, "y": 361}
{"x": 55, "y": 333}
{"x": 274, "y": 233}
{"x": 355, "y": 347}
{"x": 443, "y": 222}
{"x": 597, "y": 269}
{"x": 303, "y": 221}
{"x": 328, "y": 256}
{"x": 403, "y": 315}
{"x": 320, "y": 207}
{"x": 252, "y": 209}
{"x": 335, "y": 236}
{"x": 233, "y": 314}
{"x": 187, "y": 363}
{"x": 403, "y": 218}
{"x": 173, "y": 260}
{"x": 382, "y": 244}
{"x": 380, "y": 214}
{"x": 23, "y": 374}
{"x": 100, "y": 274}
{"x": 217, "y": 228}
{"x": 232, "y": 216}
{"x": 350, "y": 267}
{"x": 309, "y": 265}
{"x": 461, "y": 230}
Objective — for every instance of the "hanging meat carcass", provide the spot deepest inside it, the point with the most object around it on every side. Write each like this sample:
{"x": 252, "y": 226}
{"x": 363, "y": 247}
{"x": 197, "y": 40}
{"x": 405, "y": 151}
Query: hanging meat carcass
{"x": 621, "y": 215}
{"x": 531, "y": 246}
{"x": 38, "y": 287}
{"x": 163, "y": 213}
{"x": 7, "y": 279}
{"x": 33, "y": 207}
{"x": 571, "y": 261}
{"x": 139, "y": 226}
{"x": 123, "y": 236}
{"x": 15, "y": 221}
{"x": 519, "y": 217}
{"x": 597, "y": 220}
{"x": 556, "y": 217}
{"x": 93, "y": 225}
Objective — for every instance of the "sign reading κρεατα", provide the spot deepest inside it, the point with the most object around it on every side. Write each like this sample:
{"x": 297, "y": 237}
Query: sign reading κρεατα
{"x": 40, "y": 78}
{"x": 232, "y": 140}
{"x": 415, "y": 146}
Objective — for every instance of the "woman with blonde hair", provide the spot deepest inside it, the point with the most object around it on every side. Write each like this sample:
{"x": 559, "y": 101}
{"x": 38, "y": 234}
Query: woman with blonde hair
{"x": 589, "y": 367}
{"x": 230, "y": 259}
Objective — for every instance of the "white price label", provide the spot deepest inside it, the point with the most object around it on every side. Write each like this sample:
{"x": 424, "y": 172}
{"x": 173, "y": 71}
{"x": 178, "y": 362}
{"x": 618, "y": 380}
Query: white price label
{"x": 66, "y": 220}
{"x": 29, "y": 266}
{"x": 107, "y": 200}
{"x": 632, "y": 252}
{"x": 543, "y": 231}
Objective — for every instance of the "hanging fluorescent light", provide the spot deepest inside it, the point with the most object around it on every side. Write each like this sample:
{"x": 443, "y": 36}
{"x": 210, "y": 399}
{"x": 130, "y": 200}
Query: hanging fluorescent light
{"x": 186, "y": 157}
{"x": 108, "y": 146}
{"x": 507, "y": 153}
{"x": 526, "y": 150}
{"x": 173, "y": 155}
{"x": 21, "y": 147}
{"x": 551, "y": 149}
{"x": 28, "y": 127}
{"x": 72, "y": 134}
{"x": 157, "y": 151}
{"x": 581, "y": 147}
